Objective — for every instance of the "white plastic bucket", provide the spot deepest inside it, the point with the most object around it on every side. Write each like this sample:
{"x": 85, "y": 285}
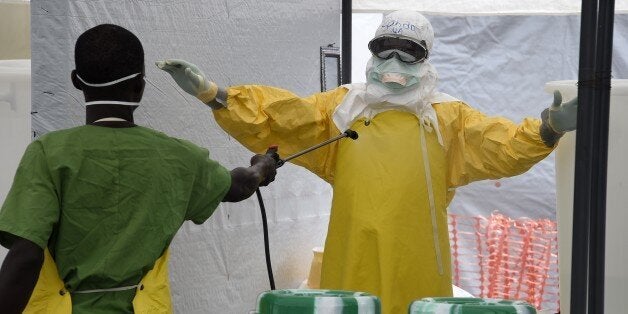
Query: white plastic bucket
{"x": 616, "y": 278}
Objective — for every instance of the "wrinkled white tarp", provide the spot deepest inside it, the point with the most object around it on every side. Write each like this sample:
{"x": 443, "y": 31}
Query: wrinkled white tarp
{"x": 480, "y": 7}
{"x": 218, "y": 267}
{"x": 498, "y": 64}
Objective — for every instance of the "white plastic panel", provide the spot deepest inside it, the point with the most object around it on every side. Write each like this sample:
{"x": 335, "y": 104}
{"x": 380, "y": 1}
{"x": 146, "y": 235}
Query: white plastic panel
{"x": 15, "y": 120}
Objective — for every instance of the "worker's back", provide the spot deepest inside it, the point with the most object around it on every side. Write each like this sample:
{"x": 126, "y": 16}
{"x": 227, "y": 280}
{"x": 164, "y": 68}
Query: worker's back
{"x": 111, "y": 200}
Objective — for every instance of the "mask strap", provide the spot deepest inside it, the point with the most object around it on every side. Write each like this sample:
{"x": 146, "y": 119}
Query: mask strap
{"x": 108, "y": 83}
{"x": 109, "y": 119}
{"x": 111, "y": 102}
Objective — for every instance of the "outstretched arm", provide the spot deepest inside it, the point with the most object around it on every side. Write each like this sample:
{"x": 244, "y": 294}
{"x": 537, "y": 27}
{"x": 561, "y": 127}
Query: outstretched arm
{"x": 194, "y": 82}
{"x": 481, "y": 147}
{"x": 19, "y": 274}
{"x": 259, "y": 116}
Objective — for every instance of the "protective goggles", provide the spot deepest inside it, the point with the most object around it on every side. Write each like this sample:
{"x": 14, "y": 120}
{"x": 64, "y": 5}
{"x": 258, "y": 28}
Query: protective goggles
{"x": 405, "y": 50}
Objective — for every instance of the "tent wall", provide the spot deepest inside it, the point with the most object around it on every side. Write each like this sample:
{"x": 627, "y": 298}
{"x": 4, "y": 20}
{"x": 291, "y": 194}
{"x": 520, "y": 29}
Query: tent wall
{"x": 496, "y": 63}
{"x": 217, "y": 267}
{"x": 480, "y": 7}
{"x": 499, "y": 64}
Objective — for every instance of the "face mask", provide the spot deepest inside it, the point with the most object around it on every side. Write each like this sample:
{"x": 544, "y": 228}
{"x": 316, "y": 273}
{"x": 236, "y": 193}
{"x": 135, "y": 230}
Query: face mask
{"x": 110, "y": 102}
{"x": 394, "y": 74}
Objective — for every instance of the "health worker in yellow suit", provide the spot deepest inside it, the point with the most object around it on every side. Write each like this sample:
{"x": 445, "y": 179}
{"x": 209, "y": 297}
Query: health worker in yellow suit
{"x": 388, "y": 227}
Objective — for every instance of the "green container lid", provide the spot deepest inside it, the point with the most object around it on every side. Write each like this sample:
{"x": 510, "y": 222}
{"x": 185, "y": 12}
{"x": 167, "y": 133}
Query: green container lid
{"x": 302, "y": 301}
{"x": 469, "y": 306}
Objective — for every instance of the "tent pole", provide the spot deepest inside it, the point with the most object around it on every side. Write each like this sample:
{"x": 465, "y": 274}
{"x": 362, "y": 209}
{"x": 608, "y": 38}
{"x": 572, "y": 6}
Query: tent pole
{"x": 345, "y": 56}
{"x": 587, "y": 280}
{"x": 597, "y": 225}
{"x": 583, "y": 175}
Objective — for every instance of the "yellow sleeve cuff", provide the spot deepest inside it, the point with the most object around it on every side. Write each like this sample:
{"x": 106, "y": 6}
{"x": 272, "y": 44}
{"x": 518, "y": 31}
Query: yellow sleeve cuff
{"x": 209, "y": 94}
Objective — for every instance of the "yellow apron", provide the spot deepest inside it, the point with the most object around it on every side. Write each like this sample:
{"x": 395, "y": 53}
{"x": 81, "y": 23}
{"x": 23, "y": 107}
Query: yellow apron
{"x": 50, "y": 295}
{"x": 388, "y": 227}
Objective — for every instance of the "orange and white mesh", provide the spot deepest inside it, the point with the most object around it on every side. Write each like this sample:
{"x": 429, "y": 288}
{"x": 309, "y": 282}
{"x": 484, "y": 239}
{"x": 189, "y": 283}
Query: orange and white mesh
{"x": 505, "y": 258}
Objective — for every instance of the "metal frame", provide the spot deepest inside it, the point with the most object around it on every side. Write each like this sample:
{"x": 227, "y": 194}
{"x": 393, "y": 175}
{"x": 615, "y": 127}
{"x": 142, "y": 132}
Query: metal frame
{"x": 330, "y": 52}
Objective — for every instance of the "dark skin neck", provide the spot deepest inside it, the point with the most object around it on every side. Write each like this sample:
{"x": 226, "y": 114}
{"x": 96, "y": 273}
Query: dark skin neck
{"x": 126, "y": 91}
{"x": 96, "y": 112}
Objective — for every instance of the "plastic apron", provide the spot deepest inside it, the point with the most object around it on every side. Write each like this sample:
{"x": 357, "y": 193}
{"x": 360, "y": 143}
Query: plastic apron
{"x": 388, "y": 227}
{"x": 51, "y": 296}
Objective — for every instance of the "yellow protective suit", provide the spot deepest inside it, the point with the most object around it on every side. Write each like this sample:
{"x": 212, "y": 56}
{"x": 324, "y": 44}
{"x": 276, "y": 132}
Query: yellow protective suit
{"x": 388, "y": 230}
{"x": 51, "y": 297}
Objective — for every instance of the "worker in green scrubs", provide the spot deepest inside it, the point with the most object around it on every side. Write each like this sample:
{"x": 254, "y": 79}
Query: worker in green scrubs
{"x": 93, "y": 209}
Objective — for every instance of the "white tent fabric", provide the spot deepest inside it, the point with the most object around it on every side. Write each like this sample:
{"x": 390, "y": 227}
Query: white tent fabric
{"x": 499, "y": 64}
{"x": 479, "y": 7}
{"x": 217, "y": 267}
{"x": 496, "y": 57}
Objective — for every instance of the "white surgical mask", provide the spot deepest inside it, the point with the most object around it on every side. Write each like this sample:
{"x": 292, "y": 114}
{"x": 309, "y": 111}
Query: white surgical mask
{"x": 110, "y": 102}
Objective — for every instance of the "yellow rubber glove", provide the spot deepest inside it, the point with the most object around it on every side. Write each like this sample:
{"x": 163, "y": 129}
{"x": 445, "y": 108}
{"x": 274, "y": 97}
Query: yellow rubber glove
{"x": 190, "y": 79}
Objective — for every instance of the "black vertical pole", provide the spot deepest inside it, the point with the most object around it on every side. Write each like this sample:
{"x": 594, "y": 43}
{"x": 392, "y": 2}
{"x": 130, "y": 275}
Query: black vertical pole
{"x": 583, "y": 176}
{"x": 597, "y": 242}
{"x": 588, "y": 250}
{"x": 345, "y": 56}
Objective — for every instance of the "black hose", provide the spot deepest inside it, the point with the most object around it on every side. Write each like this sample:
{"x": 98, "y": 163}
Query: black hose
{"x": 266, "y": 242}
{"x": 280, "y": 162}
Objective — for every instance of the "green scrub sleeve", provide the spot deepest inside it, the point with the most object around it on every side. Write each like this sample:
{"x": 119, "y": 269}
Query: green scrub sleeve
{"x": 211, "y": 184}
{"x": 31, "y": 208}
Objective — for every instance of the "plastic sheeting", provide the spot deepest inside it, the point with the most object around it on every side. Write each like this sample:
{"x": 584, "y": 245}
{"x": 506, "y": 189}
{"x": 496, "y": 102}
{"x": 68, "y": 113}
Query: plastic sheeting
{"x": 499, "y": 65}
{"x": 15, "y": 122}
{"x": 217, "y": 267}
{"x": 480, "y": 7}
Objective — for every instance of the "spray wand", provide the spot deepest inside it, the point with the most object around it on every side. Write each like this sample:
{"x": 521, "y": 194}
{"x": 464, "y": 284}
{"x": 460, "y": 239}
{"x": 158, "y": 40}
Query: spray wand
{"x": 272, "y": 151}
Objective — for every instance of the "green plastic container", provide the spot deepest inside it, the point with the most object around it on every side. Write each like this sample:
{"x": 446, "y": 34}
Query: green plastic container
{"x": 302, "y": 301}
{"x": 469, "y": 306}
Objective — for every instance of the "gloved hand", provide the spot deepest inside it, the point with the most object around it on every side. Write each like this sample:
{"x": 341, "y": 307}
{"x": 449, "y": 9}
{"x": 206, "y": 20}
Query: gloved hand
{"x": 266, "y": 166}
{"x": 558, "y": 119}
{"x": 190, "y": 79}
{"x": 563, "y": 116}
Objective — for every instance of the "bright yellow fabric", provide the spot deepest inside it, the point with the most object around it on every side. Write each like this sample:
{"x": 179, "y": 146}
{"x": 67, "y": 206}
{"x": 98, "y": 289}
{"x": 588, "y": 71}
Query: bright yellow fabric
{"x": 260, "y": 116}
{"x": 380, "y": 238}
{"x": 51, "y": 297}
{"x": 380, "y": 233}
{"x": 480, "y": 147}
{"x": 153, "y": 295}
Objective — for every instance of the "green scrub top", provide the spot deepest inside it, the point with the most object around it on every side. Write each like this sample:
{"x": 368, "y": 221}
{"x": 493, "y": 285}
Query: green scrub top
{"x": 107, "y": 202}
